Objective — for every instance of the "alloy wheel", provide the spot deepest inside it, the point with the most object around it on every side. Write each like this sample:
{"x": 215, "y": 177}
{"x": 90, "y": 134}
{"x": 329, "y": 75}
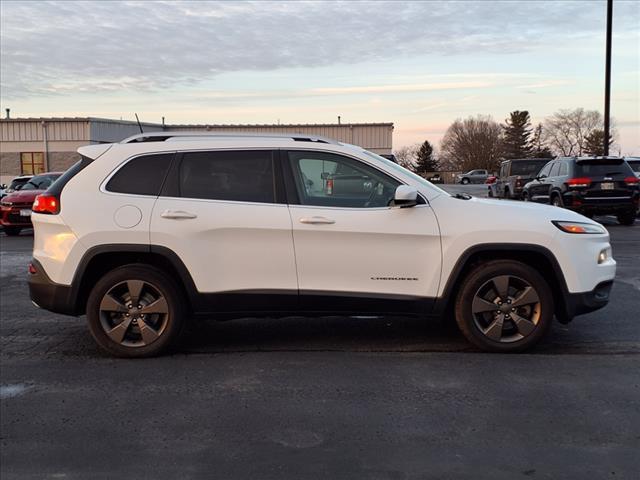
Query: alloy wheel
{"x": 134, "y": 313}
{"x": 506, "y": 309}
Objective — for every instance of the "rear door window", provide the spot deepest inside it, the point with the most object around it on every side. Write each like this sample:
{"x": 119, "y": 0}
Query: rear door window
{"x": 242, "y": 176}
{"x": 141, "y": 175}
{"x": 555, "y": 168}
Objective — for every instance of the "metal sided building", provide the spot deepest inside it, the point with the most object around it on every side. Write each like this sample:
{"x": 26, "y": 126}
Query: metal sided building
{"x": 34, "y": 145}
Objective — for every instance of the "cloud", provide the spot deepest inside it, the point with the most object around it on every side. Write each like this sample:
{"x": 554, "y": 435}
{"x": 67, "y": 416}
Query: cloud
{"x": 50, "y": 48}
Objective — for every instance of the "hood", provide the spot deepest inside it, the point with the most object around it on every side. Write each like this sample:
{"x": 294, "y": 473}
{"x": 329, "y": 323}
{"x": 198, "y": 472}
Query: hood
{"x": 28, "y": 196}
{"x": 511, "y": 208}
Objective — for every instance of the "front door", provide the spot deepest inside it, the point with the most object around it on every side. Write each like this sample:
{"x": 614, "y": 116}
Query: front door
{"x": 539, "y": 189}
{"x": 353, "y": 251}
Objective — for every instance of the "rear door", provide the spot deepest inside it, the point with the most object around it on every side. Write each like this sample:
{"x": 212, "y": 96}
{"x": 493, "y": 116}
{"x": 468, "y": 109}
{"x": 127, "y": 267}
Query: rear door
{"x": 224, "y": 215}
{"x": 353, "y": 251}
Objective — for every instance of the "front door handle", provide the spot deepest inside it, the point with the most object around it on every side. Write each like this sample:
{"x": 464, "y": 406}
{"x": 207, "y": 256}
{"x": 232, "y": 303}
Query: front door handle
{"x": 317, "y": 220}
{"x": 177, "y": 214}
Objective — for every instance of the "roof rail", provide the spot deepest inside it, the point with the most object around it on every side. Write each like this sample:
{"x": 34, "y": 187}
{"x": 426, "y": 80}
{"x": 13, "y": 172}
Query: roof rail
{"x": 186, "y": 135}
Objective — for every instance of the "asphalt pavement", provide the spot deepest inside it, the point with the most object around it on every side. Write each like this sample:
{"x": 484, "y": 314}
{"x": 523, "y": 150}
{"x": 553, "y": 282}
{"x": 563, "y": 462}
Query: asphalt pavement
{"x": 333, "y": 397}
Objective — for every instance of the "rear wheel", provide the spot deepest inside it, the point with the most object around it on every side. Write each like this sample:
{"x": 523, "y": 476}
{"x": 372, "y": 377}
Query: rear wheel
{"x": 135, "y": 311}
{"x": 627, "y": 218}
{"x": 504, "y": 306}
{"x": 556, "y": 201}
{"x": 506, "y": 193}
{"x": 12, "y": 231}
{"x": 525, "y": 197}
{"x": 465, "y": 181}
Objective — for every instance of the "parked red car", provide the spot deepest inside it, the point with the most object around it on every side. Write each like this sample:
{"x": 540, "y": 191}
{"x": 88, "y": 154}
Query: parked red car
{"x": 15, "y": 208}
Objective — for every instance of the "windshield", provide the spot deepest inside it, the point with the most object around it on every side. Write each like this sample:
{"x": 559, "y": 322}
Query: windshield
{"x": 404, "y": 171}
{"x": 527, "y": 168}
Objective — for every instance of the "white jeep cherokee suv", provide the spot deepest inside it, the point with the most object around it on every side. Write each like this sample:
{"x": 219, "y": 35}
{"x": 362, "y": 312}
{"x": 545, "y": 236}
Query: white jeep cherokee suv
{"x": 142, "y": 235}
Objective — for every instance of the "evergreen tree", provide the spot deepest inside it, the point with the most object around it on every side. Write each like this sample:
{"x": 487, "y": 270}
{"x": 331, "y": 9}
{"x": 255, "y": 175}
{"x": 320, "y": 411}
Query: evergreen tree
{"x": 425, "y": 159}
{"x": 538, "y": 148}
{"x": 594, "y": 143}
{"x": 515, "y": 135}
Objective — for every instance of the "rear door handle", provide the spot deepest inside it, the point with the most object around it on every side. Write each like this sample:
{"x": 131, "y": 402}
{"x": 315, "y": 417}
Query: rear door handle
{"x": 177, "y": 214}
{"x": 317, "y": 220}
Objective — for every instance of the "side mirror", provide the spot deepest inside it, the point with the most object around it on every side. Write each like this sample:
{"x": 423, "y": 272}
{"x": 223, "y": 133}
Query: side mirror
{"x": 405, "y": 197}
{"x": 540, "y": 177}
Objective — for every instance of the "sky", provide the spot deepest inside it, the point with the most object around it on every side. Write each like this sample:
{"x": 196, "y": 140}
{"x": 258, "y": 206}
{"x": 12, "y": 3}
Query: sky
{"x": 420, "y": 65}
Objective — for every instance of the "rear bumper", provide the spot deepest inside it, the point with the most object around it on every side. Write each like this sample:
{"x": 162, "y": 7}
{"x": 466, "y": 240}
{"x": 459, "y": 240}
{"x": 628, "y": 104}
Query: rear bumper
{"x": 576, "y": 201}
{"x": 49, "y": 295}
{"x": 585, "y": 302}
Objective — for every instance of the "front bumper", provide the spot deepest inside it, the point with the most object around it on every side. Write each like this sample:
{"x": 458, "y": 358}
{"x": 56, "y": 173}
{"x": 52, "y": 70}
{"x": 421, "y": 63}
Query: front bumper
{"x": 10, "y": 216}
{"x": 49, "y": 295}
{"x": 585, "y": 302}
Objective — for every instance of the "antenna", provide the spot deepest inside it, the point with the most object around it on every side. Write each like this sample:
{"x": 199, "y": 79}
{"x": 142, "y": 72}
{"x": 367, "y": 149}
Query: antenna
{"x": 139, "y": 124}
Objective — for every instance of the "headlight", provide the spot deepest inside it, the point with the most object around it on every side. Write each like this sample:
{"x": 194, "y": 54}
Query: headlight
{"x": 578, "y": 227}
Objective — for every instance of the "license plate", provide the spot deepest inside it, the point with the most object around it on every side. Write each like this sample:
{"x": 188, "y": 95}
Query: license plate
{"x": 25, "y": 213}
{"x": 606, "y": 186}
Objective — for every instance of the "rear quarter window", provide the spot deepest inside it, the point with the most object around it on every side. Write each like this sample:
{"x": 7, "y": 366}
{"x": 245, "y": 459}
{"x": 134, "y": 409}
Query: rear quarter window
{"x": 142, "y": 175}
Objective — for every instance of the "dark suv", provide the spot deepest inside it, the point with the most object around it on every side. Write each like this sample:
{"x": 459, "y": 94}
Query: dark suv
{"x": 513, "y": 176}
{"x": 588, "y": 185}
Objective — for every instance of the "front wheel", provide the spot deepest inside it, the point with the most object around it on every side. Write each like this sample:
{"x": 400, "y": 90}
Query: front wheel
{"x": 504, "y": 306}
{"x": 465, "y": 181}
{"x": 525, "y": 197}
{"x": 135, "y": 311}
{"x": 627, "y": 218}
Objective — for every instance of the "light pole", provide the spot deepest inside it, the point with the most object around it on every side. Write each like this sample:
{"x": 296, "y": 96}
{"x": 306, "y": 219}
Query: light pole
{"x": 607, "y": 81}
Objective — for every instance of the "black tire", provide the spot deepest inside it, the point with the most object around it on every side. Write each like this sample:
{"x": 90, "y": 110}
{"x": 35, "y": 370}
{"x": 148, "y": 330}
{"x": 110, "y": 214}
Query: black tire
{"x": 506, "y": 194}
{"x": 490, "y": 193}
{"x": 12, "y": 231}
{"x": 518, "y": 336}
{"x": 465, "y": 181}
{"x": 627, "y": 218}
{"x": 156, "y": 284}
{"x": 525, "y": 197}
{"x": 556, "y": 200}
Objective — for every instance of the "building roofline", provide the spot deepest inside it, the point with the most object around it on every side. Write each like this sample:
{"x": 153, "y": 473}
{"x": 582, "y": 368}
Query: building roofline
{"x": 279, "y": 125}
{"x": 194, "y": 125}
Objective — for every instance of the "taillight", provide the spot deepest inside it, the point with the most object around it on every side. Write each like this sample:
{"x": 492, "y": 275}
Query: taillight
{"x": 519, "y": 182}
{"x": 579, "y": 182}
{"x": 32, "y": 269}
{"x": 630, "y": 181}
{"x": 46, "y": 203}
{"x": 330, "y": 186}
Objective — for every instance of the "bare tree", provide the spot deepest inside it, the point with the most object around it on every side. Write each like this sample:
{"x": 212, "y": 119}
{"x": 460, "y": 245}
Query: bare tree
{"x": 406, "y": 156}
{"x": 566, "y": 131}
{"x": 475, "y": 142}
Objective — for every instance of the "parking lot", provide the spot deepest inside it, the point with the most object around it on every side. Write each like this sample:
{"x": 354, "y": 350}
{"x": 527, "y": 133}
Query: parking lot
{"x": 333, "y": 397}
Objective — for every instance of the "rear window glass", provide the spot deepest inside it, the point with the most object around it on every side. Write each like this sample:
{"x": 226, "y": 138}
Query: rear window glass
{"x": 242, "y": 176}
{"x": 41, "y": 182}
{"x": 635, "y": 165}
{"x": 528, "y": 167}
{"x": 602, "y": 168}
{"x": 142, "y": 175}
